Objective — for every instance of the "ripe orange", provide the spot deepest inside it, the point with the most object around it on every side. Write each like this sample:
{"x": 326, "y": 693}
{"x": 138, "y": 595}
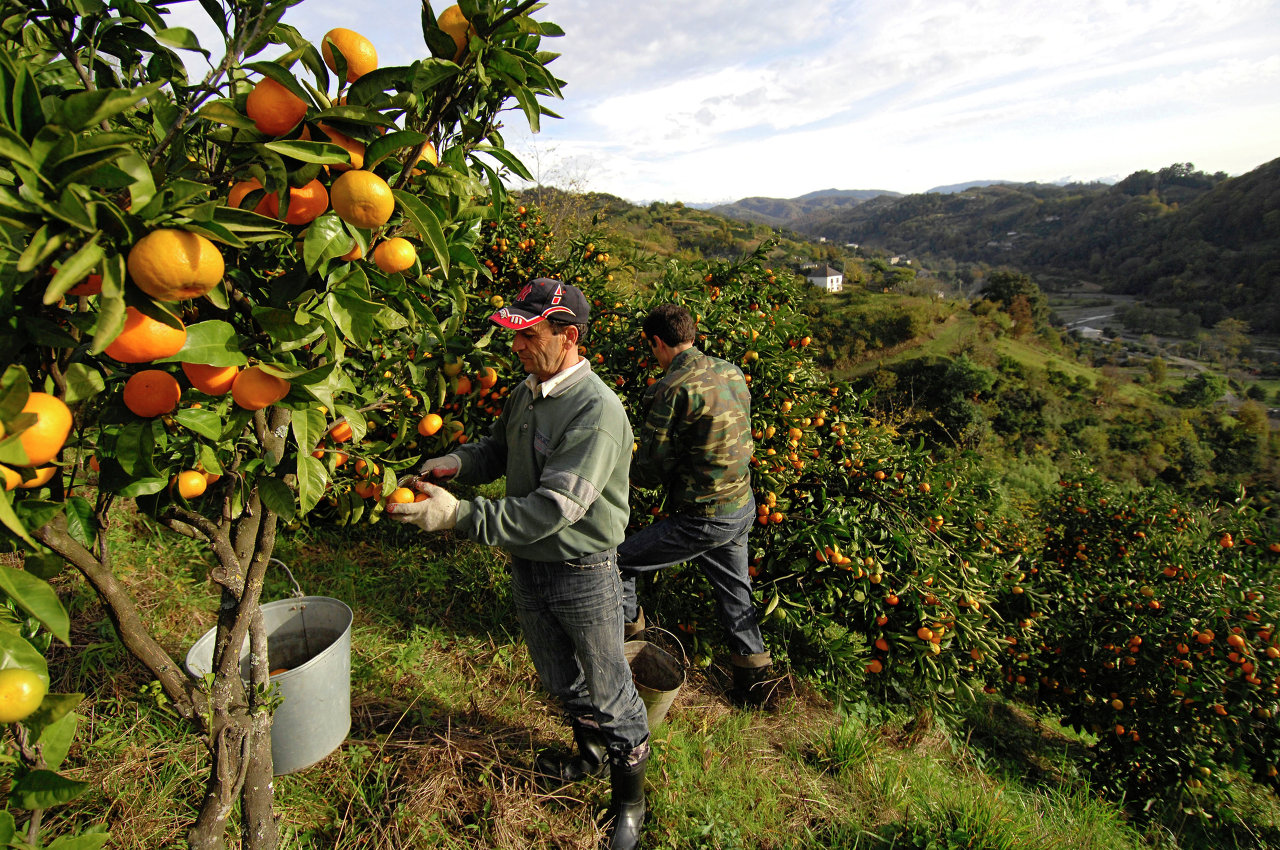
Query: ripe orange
{"x": 874, "y": 666}
{"x": 463, "y": 386}
{"x": 362, "y": 199}
{"x": 43, "y": 475}
{"x": 488, "y": 377}
{"x": 455, "y": 23}
{"x": 44, "y": 438}
{"x": 11, "y": 477}
{"x": 305, "y": 204}
{"x": 365, "y": 468}
{"x": 152, "y": 393}
{"x": 241, "y": 190}
{"x": 273, "y": 108}
{"x": 144, "y": 339}
{"x": 91, "y": 285}
{"x": 175, "y": 265}
{"x": 353, "y": 147}
{"x": 400, "y": 496}
{"x": 255, "y": 388}
{"x": 428, "y": 155}
{"x": 395, "y": 255}
{"x": 356, "y": 49}
{"x": 21, "y": 693}
{"x": 190, "y": 483}
{"x": 355, "y": 253}
{"x": 365, "y": 489}
{"x": 430, "y": 424}
{"x": 341, "y": 432}
{"x": 210, "y": 380}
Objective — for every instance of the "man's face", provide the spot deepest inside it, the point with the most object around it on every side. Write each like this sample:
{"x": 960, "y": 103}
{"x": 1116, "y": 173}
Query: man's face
{"x": 540, "y": 351}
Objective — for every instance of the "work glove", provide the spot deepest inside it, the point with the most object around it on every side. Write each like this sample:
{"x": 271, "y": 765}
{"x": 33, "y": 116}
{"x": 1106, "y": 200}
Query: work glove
{"x": 434, "y": 469}
{"x": 437, "y": 512}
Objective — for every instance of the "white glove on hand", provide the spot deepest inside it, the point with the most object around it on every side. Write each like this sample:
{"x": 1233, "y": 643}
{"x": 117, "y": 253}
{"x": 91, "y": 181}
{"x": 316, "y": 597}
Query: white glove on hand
{"x": 437, "y": 512}
{"x": 434, "y": 469}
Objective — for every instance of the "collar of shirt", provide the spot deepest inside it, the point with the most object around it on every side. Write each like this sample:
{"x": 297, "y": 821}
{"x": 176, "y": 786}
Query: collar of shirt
{"x": 558, "y": 382}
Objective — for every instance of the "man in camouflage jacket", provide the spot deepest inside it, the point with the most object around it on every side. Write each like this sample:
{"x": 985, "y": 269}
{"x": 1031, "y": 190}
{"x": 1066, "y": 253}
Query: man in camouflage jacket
{"x": 695, "y": 442}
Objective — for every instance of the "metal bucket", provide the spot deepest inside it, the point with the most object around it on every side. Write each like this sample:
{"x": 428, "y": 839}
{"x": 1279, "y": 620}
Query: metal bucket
{"x": 309, "y": 643}
{"x": 658, "y": 676}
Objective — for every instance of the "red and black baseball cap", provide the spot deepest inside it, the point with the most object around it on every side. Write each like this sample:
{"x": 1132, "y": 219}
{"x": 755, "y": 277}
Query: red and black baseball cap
{"x": 544, "y": 298}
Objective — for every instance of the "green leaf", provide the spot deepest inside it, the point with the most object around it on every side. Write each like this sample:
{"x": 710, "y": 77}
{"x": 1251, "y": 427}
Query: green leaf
{"x": 507, "y": 159}
{"x": 322, "y": 153}
{"x": 203, "y": 421}
{"x": 55, "y": 739}
{"x": 83, "y": 381}
{"x": 386, "y": 145}
{"x": 326, "y": 239}
{"x": 308, "y": 425}
{"x": 143, "y": 487}
{"x": 87, "y": 108}
{"x": 312, "y": 479}
{"x": 38, "y": 599}
{"x": 10, "y": 519}
{"x": 427, "y": 225}
{"x": 84, "y": 841}
{"x": 81, "y": 524}
{"x": 111, "y": 306}
{"x": 210, "y": 343}
{"x": 75, "y": 269}
{"x": 225, "y": 112}
{"x": 43, "y": 789}
{"x": 353, "y": 315}
{"x": 14, "y": 148}
{"x": 142, "y": 184}
{"x": 17, "y": 651}
{"x": 43, "y": 565}
{"x": 277, "y": 497}
{"x": 181, "y": 38}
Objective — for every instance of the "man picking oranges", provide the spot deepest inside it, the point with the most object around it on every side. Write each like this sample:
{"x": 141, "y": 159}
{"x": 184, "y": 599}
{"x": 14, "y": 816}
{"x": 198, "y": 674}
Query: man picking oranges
{"x": 564, "y": 444}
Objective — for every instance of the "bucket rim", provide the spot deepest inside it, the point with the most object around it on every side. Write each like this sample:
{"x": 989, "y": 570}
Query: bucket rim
{"x": 208, "y": 635}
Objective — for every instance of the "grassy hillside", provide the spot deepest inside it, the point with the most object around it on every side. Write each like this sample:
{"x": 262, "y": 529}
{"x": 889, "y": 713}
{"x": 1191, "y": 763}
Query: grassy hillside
{"x": 447, "y": 716}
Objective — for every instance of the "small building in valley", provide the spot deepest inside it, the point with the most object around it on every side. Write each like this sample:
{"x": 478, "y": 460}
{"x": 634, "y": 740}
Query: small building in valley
{"x": 831, "y": 280}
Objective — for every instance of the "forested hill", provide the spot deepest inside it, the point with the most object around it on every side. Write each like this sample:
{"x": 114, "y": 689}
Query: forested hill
{"x": 1204, "y": 243}
{"x": 781, "y": 212}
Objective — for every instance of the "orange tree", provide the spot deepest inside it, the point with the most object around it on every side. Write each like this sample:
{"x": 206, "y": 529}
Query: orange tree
{"x": 209, "y": 309}
{"x": 860, "y": 538}
{"x": 1155, "y": 629}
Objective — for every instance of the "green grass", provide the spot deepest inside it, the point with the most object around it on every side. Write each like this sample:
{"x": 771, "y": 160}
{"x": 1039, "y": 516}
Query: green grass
{"x": 447, "y": 717}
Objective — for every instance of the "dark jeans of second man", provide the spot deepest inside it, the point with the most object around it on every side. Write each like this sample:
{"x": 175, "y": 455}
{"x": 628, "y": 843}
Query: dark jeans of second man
{"x": 716, "y": 544}
{"x": 571, "y": 615}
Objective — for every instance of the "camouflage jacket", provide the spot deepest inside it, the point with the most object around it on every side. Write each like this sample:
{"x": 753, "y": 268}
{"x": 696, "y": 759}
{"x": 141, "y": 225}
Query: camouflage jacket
{"x": 695, "y": 438}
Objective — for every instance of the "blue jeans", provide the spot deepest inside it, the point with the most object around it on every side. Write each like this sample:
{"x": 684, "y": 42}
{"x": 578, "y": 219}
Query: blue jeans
{"x": 571, "y": 615}
{"x": 716, "y": 544}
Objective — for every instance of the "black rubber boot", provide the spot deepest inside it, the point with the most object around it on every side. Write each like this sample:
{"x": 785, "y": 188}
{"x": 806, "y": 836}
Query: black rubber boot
{"x": 634, "y": 630}
{"x": 555, "y": 770}
{"x": 751, "y": 686}
{"x": 626, "y": 810}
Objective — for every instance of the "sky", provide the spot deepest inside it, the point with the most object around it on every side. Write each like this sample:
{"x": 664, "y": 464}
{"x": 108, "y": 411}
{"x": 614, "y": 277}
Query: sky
{"x": 718, "y": 100}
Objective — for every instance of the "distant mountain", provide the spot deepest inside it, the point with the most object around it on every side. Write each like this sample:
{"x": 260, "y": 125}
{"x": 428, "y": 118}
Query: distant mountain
{"x": 1206, "y": 244}
{"x": 780, "y": 212}
{"x": 972, "y": 184}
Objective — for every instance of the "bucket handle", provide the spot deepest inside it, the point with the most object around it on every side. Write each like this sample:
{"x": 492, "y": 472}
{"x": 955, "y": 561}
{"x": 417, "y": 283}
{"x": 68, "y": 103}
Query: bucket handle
{"x": 683, "y": 654}
{"x": 297, "y": 589}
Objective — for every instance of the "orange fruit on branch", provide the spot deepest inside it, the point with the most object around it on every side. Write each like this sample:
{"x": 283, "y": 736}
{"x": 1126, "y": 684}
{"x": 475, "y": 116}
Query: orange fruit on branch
{"x": 255, "y": 388}
{"x": 305, "y": 204}
{"x": 341, "y": 432}
{"x": 395, "y": 255}
{"x": 362, "y": 199}
{"x": 21, "y": 693}
{"x": 400, "y": 496}
{"x": 151, "y": 393}
{"x": 353, "y": 147}
{"x": 453, "y": 22}
{"x": 144, "y": 339}
{"x": 274, "y": 109}
{"x": 210, "y": 380}
{"x": 430, "y": 424}
{"x": 43, "y": 476}
{"x": 190, "y": 483}
{"x": 356, "y": 49}
{"x": 44, "y": 438}
{"x": 175, "y": 265}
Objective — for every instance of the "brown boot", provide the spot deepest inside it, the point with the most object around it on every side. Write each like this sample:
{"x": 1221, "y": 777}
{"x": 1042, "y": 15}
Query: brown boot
{"x": 635, "y": 629}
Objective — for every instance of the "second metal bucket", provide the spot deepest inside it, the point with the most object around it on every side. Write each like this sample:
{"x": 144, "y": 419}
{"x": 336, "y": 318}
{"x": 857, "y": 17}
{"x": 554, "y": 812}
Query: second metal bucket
{"x": 309, "y": 647}
{"x": 658, "y": 676}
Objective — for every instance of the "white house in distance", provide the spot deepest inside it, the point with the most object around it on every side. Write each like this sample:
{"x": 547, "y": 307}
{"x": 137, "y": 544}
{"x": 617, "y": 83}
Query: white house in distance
{"x": 826, "y": 277}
